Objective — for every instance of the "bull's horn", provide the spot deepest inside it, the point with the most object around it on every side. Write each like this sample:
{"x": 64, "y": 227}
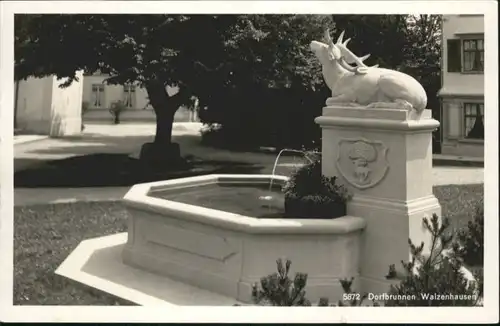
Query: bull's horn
{"x": 346, "y": 41}
{"x": 339, "y": 41}
{"x": 355, "y": 59}
{"x": 363, "y": 58}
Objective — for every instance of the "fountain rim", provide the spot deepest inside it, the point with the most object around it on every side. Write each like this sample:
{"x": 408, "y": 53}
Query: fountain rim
{"x": 139, "y": 198}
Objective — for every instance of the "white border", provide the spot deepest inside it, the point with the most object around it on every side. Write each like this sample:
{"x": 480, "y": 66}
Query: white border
{"x": 488, "y": 313}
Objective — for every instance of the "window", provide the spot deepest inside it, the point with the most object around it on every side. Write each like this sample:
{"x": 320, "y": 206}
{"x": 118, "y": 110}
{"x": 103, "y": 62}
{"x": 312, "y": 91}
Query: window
{"x": 473, "y": 55}
{"x": 474, "y": 124}
{"x": 129, "y": 96}
{"x": 97, "y": 96}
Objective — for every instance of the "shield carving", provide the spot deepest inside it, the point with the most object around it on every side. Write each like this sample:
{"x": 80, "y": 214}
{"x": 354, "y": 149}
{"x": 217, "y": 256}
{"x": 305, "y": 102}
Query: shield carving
{"x": 362, "y": 162}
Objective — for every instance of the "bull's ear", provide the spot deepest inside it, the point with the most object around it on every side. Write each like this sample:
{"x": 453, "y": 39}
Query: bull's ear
{"x": 334, "y": 52}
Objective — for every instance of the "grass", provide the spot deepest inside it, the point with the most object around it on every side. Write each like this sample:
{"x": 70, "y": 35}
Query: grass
{"x": 44, "y": 235}
{"x": 458, "y": 202}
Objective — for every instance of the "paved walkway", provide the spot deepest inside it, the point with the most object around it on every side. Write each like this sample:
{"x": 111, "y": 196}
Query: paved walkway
{"x": 128, "y": 137}
{"x": 33, "y": 196}
{"x": 23, "y": 139}
{"x": 97, "y": 138}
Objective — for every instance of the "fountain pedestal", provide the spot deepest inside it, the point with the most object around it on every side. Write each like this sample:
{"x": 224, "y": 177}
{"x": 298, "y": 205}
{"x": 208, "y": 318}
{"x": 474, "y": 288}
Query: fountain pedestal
{"x": 384, "y": 157}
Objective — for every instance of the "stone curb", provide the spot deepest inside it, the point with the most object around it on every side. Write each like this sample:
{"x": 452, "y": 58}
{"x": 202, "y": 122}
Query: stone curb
{"x": 24, "y": 139}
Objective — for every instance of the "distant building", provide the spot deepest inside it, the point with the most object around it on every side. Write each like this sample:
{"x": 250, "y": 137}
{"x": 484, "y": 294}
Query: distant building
{"x": 99, "y": 97}
{"x": 462, "y": 92}
{"x": 42, "y": 107}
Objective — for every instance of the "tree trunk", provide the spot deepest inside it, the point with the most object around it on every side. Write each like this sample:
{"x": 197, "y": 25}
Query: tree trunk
{"x": 165, "y": 108}
{"x": 164, "y": 123}
{"x": 162, "y": 154}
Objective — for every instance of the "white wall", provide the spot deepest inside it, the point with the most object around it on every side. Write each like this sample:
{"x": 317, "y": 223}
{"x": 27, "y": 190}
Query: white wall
{"x": 44, "y": 108}
{"x": 114, "y": 93}
{"x": 460, "y": 87}
{"x": 66, "y": 110}
{"x": 33, "y": 105}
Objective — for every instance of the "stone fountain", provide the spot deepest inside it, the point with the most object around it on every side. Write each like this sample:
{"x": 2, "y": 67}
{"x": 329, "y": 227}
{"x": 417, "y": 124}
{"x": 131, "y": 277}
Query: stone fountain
{"x": 209, "y": 231}
{"x": 377, "y": 137}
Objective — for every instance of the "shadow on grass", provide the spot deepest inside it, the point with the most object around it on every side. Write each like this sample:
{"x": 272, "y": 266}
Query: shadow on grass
{"x": 93, "y": 143}
{"x": 116, "y": 170}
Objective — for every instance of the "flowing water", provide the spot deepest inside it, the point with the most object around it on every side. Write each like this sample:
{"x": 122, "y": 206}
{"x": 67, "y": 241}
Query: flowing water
{"x": 285, "y": 150}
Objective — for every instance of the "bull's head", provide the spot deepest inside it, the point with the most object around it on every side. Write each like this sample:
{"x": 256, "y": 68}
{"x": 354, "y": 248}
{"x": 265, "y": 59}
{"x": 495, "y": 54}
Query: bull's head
{"x": 338, "y": 52}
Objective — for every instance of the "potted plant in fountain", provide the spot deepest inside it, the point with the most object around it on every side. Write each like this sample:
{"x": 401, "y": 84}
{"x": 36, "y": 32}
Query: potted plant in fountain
{"x": 309, "y": 194}
{"x": 116, "y": 109}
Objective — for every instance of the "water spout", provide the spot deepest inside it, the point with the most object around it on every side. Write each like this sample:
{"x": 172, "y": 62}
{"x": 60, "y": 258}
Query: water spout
{"x": 304, "y": 154}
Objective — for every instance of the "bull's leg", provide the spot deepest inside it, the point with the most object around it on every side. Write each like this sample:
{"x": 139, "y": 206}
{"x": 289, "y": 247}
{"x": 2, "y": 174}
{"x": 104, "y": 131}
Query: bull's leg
{"x": 397, "y": 104}
{"x": 385, "y": 105}
{"x": 404, "y": 104}
{"x": 341, "y": 99}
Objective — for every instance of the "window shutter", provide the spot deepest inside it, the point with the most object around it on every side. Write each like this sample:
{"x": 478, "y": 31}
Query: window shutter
{"x": 454, "y": 62}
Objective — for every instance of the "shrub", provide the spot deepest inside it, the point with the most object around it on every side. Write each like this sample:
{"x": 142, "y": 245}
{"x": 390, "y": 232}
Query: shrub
{"x": 85, "y": 107}
{"x": 308, "y": 193}
{"x": 116, "y": 109}
{"x": 219, "y": 136}
{"x": 435, "y": 275}
{"x": 278, "y": 289}
{"x": 470, "y": 244}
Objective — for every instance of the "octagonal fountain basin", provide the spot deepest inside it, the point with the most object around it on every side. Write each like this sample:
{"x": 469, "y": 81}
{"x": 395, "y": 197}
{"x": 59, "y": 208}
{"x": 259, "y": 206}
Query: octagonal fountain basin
{"x": 223, "y": 233}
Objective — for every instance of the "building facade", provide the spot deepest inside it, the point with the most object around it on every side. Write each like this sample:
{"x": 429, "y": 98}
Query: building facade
{"x": 462, "y": 91}
{"x": 42, "y": 107}
{"x": 100, "y": 97}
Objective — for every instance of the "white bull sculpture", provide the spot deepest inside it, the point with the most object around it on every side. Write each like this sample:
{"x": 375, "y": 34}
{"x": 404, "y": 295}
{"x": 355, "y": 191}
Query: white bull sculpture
{"x": 370, "y": 87}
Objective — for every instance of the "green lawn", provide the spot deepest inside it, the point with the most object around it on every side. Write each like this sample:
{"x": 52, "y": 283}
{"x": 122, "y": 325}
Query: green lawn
{"x": 44, "y": 235}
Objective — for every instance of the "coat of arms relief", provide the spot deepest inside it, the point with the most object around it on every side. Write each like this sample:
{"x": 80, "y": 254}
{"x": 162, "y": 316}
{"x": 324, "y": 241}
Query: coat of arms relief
{"x": 362, "y": 163}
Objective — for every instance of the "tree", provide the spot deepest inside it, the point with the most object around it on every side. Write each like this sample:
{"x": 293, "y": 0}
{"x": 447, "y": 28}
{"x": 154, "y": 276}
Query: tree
{"x": 423, "y": 60}
{"x": 152, "y": 51}
{"x": 378, "y": 35}
{"x": 275, "y": 88}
